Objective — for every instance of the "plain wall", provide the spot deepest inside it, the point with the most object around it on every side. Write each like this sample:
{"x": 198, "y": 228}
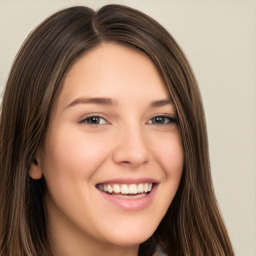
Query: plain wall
{"x": 219, "y": 39}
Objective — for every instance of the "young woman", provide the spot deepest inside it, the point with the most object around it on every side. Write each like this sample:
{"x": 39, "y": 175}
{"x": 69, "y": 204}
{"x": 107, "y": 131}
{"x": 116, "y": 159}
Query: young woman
{"x": 103, "y": 143}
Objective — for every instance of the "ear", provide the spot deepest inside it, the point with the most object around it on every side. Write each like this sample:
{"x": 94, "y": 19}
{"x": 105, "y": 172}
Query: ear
{"x": 35, "y": 171}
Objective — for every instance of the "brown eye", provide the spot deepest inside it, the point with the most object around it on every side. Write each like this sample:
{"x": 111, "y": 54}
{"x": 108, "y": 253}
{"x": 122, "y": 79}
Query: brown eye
{"x": 94, "y": 120}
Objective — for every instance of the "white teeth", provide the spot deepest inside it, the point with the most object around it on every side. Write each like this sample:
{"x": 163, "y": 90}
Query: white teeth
{"x": 133, "y": 189}
{"x": 117, "y": 188}
{"x": 140, "y": 188}
{"x": 125, "y": 188}
{"x": 110, "y": 189}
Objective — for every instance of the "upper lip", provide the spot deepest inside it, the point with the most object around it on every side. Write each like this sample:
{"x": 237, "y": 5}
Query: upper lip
{"x": 129, "y": 181}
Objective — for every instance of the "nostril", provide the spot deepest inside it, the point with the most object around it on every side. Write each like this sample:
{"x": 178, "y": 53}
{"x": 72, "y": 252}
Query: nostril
{"x": 125, "y": 162}
{"x": 132, "y": 164}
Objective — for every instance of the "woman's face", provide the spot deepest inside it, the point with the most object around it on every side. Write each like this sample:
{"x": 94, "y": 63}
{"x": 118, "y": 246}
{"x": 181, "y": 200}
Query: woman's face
{"x": 114, "y": 129}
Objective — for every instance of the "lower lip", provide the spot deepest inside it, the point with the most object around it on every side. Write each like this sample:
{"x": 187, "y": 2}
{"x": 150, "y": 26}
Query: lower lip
{"x": 131, "y": 204}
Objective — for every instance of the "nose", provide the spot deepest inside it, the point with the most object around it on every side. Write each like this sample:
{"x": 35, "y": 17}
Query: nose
{"x": 131, "y": 148}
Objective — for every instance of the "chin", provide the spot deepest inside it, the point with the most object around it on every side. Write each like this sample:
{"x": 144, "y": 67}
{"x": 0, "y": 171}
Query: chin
{"x": 132, "y": 237}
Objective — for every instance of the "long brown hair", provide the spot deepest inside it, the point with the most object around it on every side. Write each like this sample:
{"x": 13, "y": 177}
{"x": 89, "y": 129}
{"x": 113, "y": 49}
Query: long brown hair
{"x": 193, "y": 224}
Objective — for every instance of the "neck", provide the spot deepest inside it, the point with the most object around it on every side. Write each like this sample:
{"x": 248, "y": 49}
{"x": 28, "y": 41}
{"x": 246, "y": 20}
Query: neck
{"x": 89, "y": 249}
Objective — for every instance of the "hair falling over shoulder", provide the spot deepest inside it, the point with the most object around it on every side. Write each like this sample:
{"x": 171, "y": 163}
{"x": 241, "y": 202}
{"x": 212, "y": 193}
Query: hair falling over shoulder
{"x": 193, "y": 225}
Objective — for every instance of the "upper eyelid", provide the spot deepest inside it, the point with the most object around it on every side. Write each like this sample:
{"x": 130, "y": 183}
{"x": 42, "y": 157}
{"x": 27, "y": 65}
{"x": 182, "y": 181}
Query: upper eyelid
{"x": 165, "y": 116}
{"x": 93, "y": 115}
{"x": 96, "y": 114}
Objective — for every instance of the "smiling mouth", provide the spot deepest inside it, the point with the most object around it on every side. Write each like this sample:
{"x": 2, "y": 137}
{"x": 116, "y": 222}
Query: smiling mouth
{"x": 129, "y": 191}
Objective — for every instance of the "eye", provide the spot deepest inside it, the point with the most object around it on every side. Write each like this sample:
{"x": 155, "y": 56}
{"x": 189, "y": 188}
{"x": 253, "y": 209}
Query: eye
{"x": 94, "y": 120}
{"x": 162, "y": 120}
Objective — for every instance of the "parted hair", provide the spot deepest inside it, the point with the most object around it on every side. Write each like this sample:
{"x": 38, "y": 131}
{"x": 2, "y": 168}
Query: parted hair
{"x": 193, "y": 225}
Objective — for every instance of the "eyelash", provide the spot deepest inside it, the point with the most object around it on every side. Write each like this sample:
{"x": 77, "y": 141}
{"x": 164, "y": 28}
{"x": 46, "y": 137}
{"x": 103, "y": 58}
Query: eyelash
{"x": 90, "y": 118}
{"x": 167, "y": 120}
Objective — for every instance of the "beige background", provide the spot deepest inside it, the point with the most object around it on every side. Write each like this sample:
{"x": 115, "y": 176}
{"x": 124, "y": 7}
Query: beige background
{"x": 219, "y": 39}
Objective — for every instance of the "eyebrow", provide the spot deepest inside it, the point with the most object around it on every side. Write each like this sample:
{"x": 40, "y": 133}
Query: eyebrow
{"x": 98, "y": 101}
{"x": 109, "y": 102}
{"x": 160, "y": 103}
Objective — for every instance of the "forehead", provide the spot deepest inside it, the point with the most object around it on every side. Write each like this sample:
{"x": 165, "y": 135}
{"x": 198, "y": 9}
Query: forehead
{"x": 110, "y": 69}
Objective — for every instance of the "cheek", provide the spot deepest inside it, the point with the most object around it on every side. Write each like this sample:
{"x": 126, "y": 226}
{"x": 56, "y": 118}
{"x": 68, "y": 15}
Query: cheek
{"x": 71, "y": 160}
{"x": 170, "y": 155}
{"x": 74, "y": 153}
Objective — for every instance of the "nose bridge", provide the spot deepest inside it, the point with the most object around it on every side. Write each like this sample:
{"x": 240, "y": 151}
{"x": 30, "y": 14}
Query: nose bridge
{"x": 131, "y": 147}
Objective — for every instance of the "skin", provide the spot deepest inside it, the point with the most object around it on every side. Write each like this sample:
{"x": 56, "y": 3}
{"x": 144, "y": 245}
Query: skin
{"x": 127, "y": 143}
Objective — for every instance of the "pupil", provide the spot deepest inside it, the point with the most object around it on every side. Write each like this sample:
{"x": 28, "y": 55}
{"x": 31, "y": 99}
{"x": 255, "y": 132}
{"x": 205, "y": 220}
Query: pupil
{"x": 159, "y": 120}
{"x": 94, "y": 120}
